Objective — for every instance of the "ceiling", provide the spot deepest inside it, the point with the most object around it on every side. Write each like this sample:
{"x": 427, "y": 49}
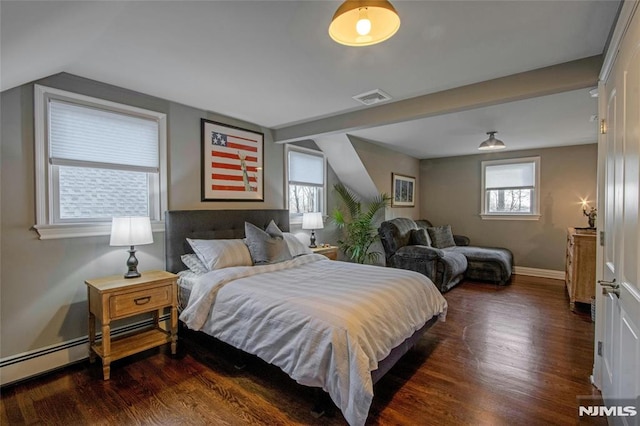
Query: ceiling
{"x": 272, "y": 62}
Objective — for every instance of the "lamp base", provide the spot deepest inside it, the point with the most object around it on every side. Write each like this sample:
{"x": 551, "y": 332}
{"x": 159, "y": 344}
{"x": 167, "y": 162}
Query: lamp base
{"x": 312, "y": 239}
{"x": 132, "y": 274}
{"x": 132, "y": 264}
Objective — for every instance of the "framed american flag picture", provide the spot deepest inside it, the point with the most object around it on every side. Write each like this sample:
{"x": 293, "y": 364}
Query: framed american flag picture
{"x": 232, "y": 163}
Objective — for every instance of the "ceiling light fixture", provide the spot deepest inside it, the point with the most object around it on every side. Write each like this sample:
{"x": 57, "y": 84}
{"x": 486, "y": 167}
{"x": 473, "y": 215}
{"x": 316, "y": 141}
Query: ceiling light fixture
{"x": 492, "y": 143}
{"x": 364, "y": 22}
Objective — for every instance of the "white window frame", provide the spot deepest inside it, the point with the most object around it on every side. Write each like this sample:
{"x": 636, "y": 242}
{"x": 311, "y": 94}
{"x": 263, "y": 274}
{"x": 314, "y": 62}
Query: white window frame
{"x": 535, "y": 215}
{"x": 46, "y": 224}
{"x": 288, "y": 147}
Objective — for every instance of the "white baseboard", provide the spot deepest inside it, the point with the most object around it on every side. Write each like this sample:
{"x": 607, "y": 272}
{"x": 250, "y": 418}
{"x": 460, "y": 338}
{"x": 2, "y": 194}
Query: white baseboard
{"x": 33, "y": 363}
{"x": 542, "y": 273}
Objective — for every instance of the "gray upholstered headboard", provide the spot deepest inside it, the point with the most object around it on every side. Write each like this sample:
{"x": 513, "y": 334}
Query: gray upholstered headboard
{"x": 211, "y": 224}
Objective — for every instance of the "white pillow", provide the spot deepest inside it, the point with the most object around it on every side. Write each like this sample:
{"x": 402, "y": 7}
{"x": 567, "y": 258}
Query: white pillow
{"x": 218, "y": 254}
{"x": 193, "y": 262}
{"x": 296, "y": 247}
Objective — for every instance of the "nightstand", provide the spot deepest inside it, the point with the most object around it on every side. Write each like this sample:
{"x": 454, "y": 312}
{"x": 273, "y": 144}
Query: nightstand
{"x": 331, "y": 252}
{"x": 115, "y": 297}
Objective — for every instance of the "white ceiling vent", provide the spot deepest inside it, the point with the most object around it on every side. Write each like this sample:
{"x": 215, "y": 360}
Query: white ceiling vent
{"x": 372, "y": 97}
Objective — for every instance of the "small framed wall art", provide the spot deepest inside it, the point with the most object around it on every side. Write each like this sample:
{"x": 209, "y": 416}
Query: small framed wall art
{"x": 404, "y": 190}
{"x": 232, "y": 163}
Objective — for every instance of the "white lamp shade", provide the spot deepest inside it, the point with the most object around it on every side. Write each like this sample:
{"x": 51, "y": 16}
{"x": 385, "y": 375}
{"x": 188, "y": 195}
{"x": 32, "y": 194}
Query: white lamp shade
{"x": 312, "y": 221}
{"x": 131, "y": 231}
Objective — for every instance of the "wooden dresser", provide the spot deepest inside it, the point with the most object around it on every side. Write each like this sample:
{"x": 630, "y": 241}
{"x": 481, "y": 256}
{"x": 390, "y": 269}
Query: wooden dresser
{"x": 580, "y": 265}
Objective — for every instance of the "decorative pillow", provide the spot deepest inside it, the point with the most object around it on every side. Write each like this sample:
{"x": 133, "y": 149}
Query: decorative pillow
{"x": 296, "y": 247}
{"x": 441, "y": 236}
{"x": 419, "y": 237}
{"x": 218, "y": 254}
{"x": 266, "y": 246}
{"x": 272, "y": 229}
{"x": 194, "y": 264}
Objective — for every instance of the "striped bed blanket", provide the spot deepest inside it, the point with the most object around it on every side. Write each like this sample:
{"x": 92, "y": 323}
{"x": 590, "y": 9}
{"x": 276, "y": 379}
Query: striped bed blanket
{"x": 324, "y": 323}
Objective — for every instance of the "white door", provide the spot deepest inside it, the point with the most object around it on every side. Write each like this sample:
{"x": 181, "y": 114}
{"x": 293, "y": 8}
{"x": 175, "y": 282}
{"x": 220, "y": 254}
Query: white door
{"x": 618, "y": 313}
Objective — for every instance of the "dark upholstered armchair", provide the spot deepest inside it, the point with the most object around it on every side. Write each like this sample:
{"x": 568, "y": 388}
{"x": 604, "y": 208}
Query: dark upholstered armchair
{"x": 445, "y": 258}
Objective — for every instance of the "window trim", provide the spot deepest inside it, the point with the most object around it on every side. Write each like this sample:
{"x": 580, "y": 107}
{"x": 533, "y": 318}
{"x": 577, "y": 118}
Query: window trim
{"x": 45, "y": 225}
{"x": 289, "y": 147}
{"x": 535, "y": 215}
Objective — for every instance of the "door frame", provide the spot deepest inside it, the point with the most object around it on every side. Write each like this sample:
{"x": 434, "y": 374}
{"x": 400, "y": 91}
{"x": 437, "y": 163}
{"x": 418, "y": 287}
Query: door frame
{"x": 626, "y": 13}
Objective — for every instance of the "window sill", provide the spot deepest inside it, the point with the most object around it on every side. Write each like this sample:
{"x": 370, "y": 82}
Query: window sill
{"x": 77, "y": 230}
{"x": 510, "y": 217}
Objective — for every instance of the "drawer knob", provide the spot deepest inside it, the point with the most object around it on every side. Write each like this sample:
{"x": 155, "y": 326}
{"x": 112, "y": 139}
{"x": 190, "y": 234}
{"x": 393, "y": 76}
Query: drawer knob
{"x": 142, "y": 300}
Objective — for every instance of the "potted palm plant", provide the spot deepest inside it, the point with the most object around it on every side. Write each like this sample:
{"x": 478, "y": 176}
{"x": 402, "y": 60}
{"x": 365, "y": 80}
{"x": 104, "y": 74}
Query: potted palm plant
{"x": 357, "y": 224}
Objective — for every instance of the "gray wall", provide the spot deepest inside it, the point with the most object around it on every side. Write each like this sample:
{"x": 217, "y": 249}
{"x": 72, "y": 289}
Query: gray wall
{"x": 42, "y": 282}
{"x": 380, "y": 163}
{"x": 451, "y": 194}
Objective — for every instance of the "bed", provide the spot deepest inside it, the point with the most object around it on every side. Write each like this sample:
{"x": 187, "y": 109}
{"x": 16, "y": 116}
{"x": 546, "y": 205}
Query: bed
{"x": 333, "y": 325}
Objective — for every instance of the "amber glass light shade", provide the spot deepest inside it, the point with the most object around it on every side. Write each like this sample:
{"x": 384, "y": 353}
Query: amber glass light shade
{"x": 383, "y": 23}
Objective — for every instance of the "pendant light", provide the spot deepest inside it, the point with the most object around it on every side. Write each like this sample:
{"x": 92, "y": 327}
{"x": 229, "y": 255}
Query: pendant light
{"x": 492, "y": 143}
{"x": 364, "y": 22}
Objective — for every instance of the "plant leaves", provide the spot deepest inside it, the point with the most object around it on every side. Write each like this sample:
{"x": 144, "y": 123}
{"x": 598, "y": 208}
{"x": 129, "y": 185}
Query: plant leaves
{"x": 357, "y": 225}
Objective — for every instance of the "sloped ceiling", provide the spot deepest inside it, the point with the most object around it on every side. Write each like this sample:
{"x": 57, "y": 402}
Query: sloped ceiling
{"x": 273, "y": 64}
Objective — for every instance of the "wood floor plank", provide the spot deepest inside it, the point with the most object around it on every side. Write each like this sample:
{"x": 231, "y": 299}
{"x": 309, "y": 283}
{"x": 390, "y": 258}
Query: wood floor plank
{"x": 506, "y": 355}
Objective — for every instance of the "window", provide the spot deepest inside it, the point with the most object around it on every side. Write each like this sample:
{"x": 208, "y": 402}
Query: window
{"x": 511, "y": 189}
{"x": 306, "y": 177}
{"x": 95, "y": 160}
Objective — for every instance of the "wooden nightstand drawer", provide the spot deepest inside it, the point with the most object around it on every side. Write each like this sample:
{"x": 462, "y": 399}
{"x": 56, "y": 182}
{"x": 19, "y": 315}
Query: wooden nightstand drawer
{"x": 116, "y": 297}
{"x": 122, "y": 305}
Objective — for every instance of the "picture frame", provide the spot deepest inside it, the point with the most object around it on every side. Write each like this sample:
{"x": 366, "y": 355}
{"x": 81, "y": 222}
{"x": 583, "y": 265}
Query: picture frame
{"x": 232, "y": 163}
{"x": 403, "y": 190}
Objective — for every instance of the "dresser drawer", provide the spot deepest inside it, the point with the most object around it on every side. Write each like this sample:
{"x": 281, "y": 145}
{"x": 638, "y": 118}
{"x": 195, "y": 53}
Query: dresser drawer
{"x": 140, "y": 301}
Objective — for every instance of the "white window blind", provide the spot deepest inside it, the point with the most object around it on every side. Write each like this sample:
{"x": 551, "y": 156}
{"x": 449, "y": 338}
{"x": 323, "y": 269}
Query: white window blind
{"x": 96, "y": 159}
{"x": 84, "y": 134}
{"x": 306, "y": 168}
{"x": 517, "y": 175}
{"x": 511, "y": 189}
{"x": 306, "y": 174}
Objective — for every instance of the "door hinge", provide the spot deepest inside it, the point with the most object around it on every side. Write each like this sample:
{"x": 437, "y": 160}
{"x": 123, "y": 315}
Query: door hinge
{"x": 599, "y": 348}
{"x": 603, "y": 127}
{"x": 602, "y": 238}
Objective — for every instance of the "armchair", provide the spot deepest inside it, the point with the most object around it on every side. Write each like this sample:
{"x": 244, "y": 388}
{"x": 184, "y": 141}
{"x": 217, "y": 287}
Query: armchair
{"x": 407, "y": 245}
{"x": 398, "y": 236}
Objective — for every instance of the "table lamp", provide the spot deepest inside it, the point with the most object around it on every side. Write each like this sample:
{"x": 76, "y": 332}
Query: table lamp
{"x": 312, "y": 221}
{"x": 131, "y": 231}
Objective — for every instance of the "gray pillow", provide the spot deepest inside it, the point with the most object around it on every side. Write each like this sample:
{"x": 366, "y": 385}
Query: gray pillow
{"x": 419, "y": 237}
{"x": 266, "y": 246}
{"x": 273, "y": 230}
{"x": 441, "y": 236}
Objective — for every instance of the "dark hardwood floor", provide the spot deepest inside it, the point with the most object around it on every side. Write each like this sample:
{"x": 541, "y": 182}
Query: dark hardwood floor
{"x": 513, "y": 355}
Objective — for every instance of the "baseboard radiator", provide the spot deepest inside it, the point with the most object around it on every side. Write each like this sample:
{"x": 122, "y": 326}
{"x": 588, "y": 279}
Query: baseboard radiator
{"x": 33, "y": 363}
